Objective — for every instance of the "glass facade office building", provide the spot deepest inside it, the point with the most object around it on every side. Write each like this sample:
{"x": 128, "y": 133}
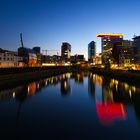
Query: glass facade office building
{"x": 136, "y": 45}
{"x": 65, "y": 51}
{"x": 91, "y": 50}
{"x": 109, "y": 43}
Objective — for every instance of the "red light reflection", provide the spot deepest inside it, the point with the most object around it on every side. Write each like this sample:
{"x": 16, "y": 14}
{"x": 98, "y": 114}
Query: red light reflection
{"x": 109, "y": 112}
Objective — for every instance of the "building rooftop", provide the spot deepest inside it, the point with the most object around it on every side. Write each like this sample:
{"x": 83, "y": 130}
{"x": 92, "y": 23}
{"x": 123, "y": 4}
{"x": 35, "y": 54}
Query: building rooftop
{"x": 7, "y": 51}
{"x": 109, "y": 35}
{"x": 136, "y": 37}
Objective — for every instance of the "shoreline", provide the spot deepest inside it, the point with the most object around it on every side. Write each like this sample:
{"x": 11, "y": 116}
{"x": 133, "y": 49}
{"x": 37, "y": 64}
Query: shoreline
{"x": 128, "y": 76}
{"x": 16, "y": 76}
{"x": 19, "y": 76}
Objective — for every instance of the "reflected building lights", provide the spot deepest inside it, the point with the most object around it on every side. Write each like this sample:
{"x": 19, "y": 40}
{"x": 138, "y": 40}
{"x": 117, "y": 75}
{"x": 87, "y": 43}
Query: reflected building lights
{"x": 31, "y": 89}
{"x": 56, "y": 79}
{"x": 130, "y": 93}
{"x": 68, "y": 75}
{"x": 65, "y": 87}
{"x": 46, "y": 82}
{"x": 116, "y": 87}
{"x": 134, "y": 89}
{"x": 97, "y": 79}
{"x": 110, "y": 112}
{"x": 65, "y": 84}
{"x": 78, "y": 77}
{"x": 110, "y": 95}
{"x": 91, "y": 86}
{"x": 28, "y": 89}
{"x": 91, "y": 75}
{"x": 126, "y": 86}
{"x": 51, "y": 81}
{"x": 63, "y": 76}
{"x": 38, "y": 86}
{"x": 14, "y": 94}
{"x": 21, "y": 93}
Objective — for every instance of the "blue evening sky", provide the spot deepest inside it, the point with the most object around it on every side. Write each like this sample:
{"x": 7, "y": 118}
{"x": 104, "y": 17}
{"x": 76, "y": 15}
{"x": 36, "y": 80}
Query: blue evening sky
{"x": 48, "y": 23}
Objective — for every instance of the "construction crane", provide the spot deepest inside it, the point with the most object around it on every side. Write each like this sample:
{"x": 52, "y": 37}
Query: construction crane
{"x": 21, "y": 40}
{"x": 46, "y": 51}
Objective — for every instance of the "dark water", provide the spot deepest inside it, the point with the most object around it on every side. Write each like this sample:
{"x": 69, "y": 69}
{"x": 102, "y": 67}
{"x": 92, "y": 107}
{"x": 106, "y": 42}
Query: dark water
{"x": 71, "y": 106}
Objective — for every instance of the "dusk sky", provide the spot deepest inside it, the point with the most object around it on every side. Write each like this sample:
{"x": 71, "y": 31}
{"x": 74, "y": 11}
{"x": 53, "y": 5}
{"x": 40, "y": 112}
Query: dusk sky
{"x": 48, "y": 23}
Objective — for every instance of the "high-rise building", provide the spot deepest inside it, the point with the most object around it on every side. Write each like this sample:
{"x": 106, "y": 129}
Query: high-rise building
{"x": 91, "y": 51}
{"x": 65, "y": 51}
{"x": 109, "y": 43}
{"x": 126, "y": 54}
{"x": 136, "y": 47}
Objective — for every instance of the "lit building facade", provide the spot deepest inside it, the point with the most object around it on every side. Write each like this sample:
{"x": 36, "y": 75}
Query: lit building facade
{"x": 97, "y": 60}
{"x": 126, "y": 54}
{"x": 10, "y": 59}
{"x": 136, "y": 46}
{"x": 91, "y": 51}
{"x": 65, "y": 87}
{"x": 65, "y": 51}
{"x": 37, "y": 50}
{"x": 52, "y": 60}
{"x": 109, "y": 43}
{"x": 77, "y": 59}
{"x": 29, "y": 56}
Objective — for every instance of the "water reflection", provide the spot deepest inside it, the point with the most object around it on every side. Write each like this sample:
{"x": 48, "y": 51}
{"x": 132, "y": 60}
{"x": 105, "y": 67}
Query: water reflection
{"x": 110, "y": 96}
{"x": 113, "y": 98}
{"x": 79, "y": 77}
{"x": 25, "y": 91}
{"x": 65, "y": 86}
{"x": 91, "y": 85}
{"x": 28, "y": 90}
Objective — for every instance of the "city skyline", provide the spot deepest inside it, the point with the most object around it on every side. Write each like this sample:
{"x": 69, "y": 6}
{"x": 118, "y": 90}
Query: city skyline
{"x": 49, "y": 23}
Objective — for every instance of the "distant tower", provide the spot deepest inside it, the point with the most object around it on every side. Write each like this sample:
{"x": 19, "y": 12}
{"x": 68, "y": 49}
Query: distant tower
{"x": 91, "y": 50}
{"x": 65, "y": 51}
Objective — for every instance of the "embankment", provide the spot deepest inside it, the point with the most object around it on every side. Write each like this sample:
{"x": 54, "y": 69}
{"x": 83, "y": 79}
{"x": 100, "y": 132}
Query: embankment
{"x": 129, "y": 76}
{"x": 14, "y": 76}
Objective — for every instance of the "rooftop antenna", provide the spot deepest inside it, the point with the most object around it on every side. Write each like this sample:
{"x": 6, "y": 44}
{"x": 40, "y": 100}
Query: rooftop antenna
{"x": 21, "y": 40}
